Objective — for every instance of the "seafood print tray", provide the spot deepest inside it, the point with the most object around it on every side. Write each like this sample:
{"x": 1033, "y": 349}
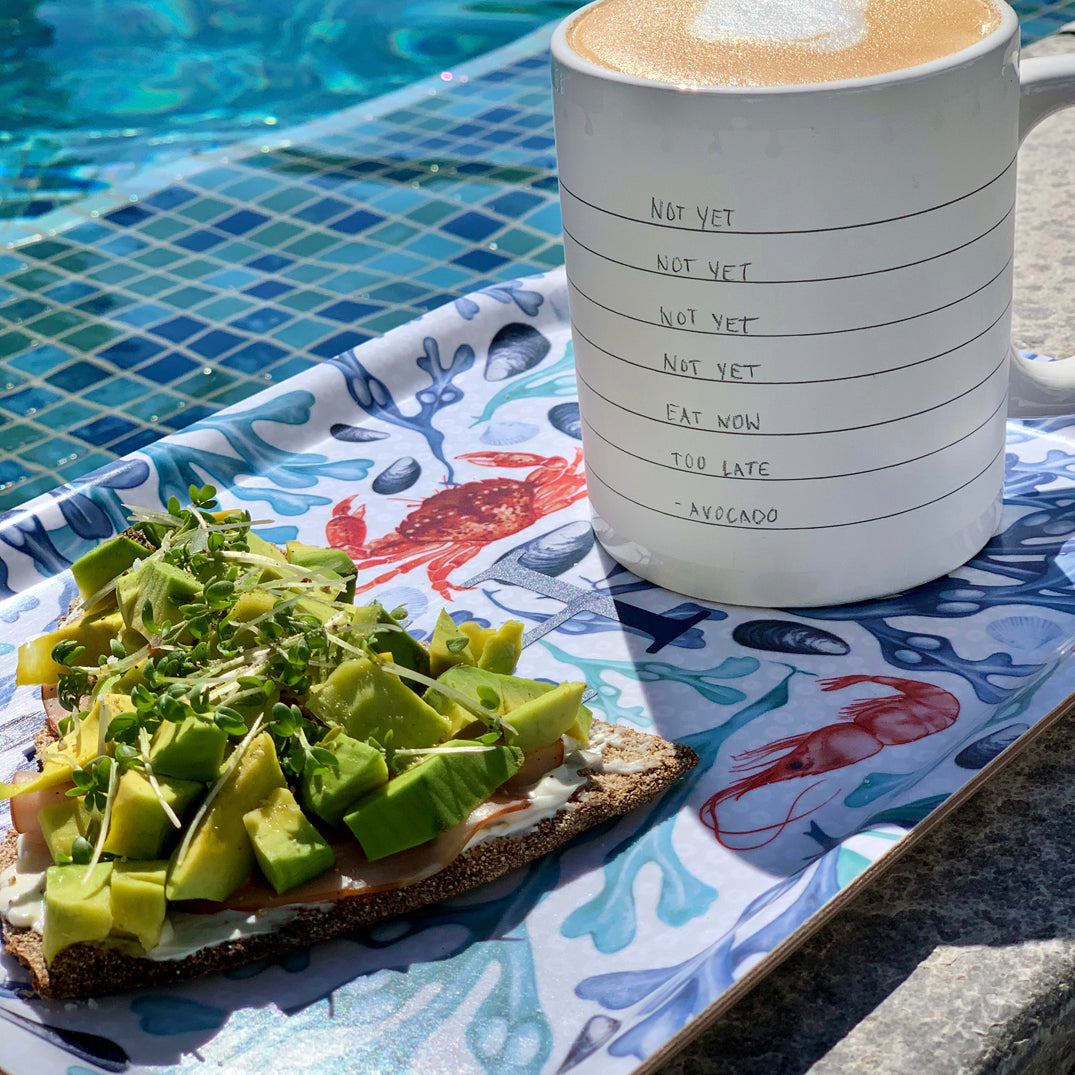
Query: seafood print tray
{"x": 607, "y": 954}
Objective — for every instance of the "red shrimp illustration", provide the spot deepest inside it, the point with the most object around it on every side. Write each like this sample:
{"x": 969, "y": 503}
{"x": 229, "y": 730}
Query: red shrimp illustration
{"x": 452, "y": 526}
{"x": 918, "y": 710}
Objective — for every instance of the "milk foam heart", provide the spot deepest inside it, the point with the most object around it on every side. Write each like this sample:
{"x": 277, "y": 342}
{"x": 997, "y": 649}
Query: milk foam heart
{"x": 827, "y": 25}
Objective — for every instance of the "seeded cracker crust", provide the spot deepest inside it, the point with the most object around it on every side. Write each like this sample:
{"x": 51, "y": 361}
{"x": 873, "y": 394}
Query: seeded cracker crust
{"x": 85, "y": 970}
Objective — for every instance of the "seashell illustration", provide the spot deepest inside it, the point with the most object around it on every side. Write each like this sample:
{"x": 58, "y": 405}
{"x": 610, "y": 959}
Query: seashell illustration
{"x": 513, "y": 350}
{"x": 503, "y": 433}
{"x": 1024, "y": 632}
{"x": 984, "y": 750}
{"x": 785, "y": 636}
{"x": 355, "y": 434}
{"x": 553, "y": 553}
{"x": 597, "y": 1031}
{"x": 565, "y": 417}
{"x": 397, "y": 476}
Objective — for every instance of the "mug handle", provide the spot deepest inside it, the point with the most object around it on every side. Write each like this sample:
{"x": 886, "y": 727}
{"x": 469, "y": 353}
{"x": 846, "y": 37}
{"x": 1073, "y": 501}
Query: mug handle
{"x": 1040, "y": 389}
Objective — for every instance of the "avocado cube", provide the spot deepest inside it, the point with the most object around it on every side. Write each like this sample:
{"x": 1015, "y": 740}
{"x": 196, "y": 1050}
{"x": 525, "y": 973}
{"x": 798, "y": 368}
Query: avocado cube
{"x": 431, "y": 797}
{"x": 502, "y": 648}
{"x": 104, "y": 564}
{"x": 333, "y": 564}
{"x": 513, "y": 691}
{"x": 220, "y": 856}
{"x": 544, "y": 719}
{"x": 139, "y": 826}
{"x": 357, "y": 768}
{"x": 78, "y": 906}
{"x": 288, "y": 848}
{"x": 138, "y": 903}
{"x": 394, "y": 640}
{"x": 61, "y": 824}
{"x": 95, "y": 632}
{"x": 189, "y": 749}
{"x": 367, "y": 702}
{"x": 446, "y": 647}
{"x": 155, "y": 591}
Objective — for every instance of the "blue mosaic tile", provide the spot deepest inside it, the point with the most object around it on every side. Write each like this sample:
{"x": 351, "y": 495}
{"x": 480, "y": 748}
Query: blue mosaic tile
{"x": 168, "y": 368}
{"x": 199, "y": 240}
{"x": 268, "y": 289}
{"x": 39, "y": 360}
{"x": 255, "y": 357}
{"x": 348, "y": 311}
{"x": 104, "y": 430}
{"x": 128, "y": 215}
{"x": 169, "y": 198}
{"x": 335, "y": 345}
{"x": 241, "y": 222}
{"x": 229, "y": 278}
{"x": 217, "y": 342}
{"x": 78, "y": 376}
{"x": 270, "y": 263}
{"x": 28, "y": 401}
{"x": 178, "y": 329}
{"x": 142, "y": 315}
{"x": 141, "y": 438}
{"x": 356, "y": 222}
{"x": 481, "y": 260}
{"x": 264, "y": 319}
{"x": 128, "y": 353}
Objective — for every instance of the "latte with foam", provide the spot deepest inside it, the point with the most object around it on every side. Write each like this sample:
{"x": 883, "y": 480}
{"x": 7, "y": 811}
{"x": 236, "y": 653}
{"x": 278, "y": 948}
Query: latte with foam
{"x": 775, "y": 42}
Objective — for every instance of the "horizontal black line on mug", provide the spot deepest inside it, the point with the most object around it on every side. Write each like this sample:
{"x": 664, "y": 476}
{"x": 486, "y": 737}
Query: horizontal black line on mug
{"x": 801, "y": 280}
{"x": 791, "y": 335}
{"x": 592, "y": 474}
{"x": 806, "y": 433}
{"x": 794, "y": 231}
{"x": 813, "y": 478}
{"x": 814, "y": 380}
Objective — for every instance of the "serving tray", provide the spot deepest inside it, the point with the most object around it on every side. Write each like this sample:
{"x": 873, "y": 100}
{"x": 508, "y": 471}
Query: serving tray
{"x": 608, "y": 954}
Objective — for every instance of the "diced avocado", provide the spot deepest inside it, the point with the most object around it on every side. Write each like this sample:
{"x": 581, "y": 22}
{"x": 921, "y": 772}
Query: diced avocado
{"x": 220, "y": 857}
{"x": 260, "y": 547}
{"x": 367, "y": 702}
{"x": 101, "y": 565}
{"x": 502, "y": 648}
{"x": 394, "y": 640}
{"x": 448, "y": 647}
{"x": 544, "y": 719}
{"x": 513, "y": 691}
{"x": 252, "y": 604}
{"x": 61, "y": 824}
{"x": 78, "y": 906}
{"x": 431, "y": 797}
{"x": 332, "y": 564}
{"x": 189, "y": 749}
{"x": 358, "y": 768}
{"x": 95, "y": 632}
{"x": 138, "y": 903}
{"x": 288, "y": 848}
{"x": 139, "y": 826}
{"x": 155, "y": 591}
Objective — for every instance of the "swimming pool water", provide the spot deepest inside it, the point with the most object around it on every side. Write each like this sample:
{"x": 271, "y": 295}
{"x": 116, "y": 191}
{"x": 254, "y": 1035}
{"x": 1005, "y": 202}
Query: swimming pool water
{"x": 90, "y": 89}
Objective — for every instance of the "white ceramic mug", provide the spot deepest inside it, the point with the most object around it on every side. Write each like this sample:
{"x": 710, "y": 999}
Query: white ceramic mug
{"x": 791, "y": 316}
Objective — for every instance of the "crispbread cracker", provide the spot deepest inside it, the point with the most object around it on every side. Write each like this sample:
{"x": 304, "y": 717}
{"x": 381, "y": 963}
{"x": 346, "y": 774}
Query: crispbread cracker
{"x": 641, "y": 767}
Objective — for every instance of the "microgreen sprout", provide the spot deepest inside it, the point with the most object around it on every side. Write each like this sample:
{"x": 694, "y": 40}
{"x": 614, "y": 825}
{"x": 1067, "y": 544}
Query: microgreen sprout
{"x": 92, "y": 783}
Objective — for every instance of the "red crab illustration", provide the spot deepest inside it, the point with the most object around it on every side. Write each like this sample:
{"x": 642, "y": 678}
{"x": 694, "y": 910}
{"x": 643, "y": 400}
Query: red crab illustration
{"x": 453, "y": 525}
